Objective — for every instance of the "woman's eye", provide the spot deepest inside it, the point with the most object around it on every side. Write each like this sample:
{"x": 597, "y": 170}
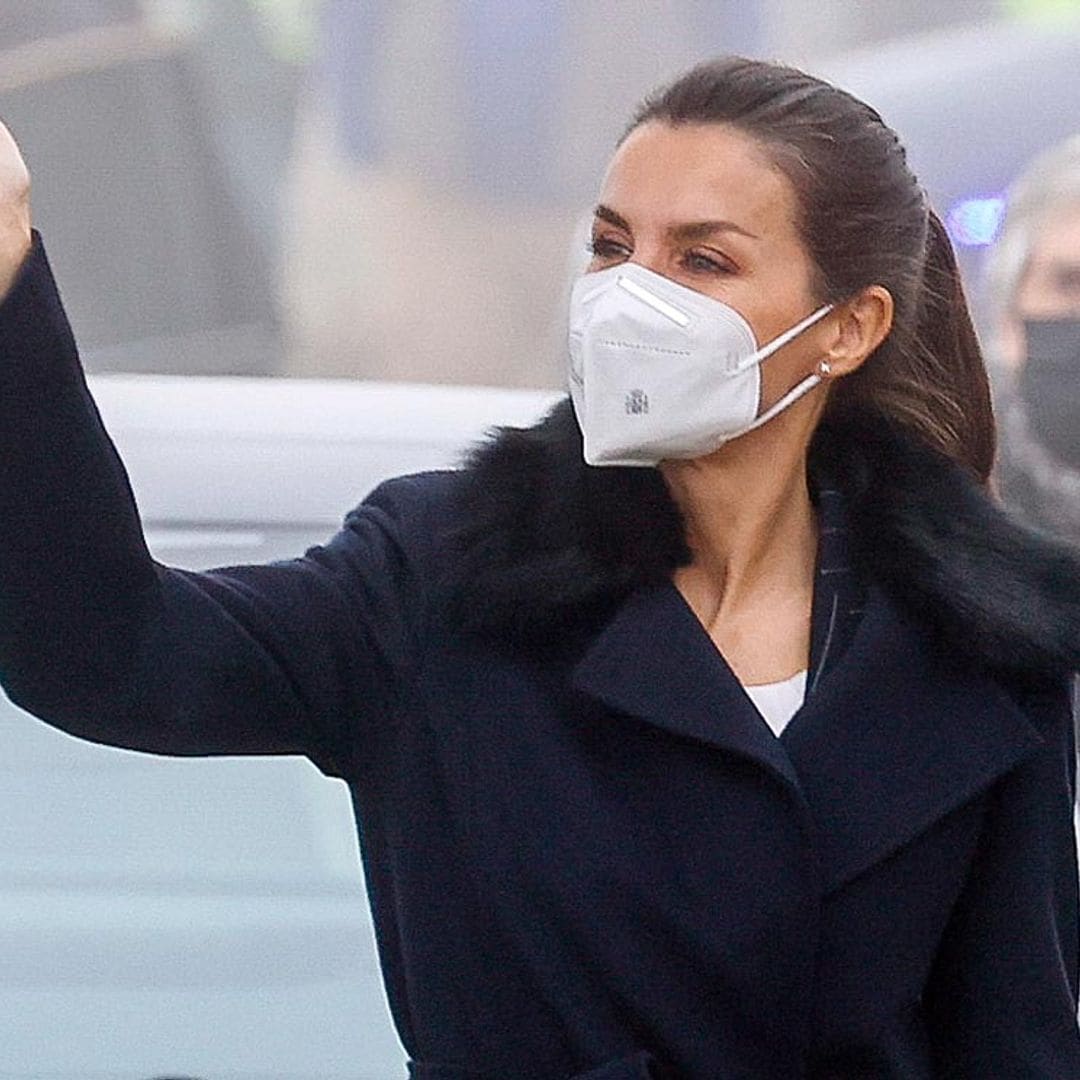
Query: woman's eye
{"x": 600, "y": 248}
{"x": 700, "y": 263}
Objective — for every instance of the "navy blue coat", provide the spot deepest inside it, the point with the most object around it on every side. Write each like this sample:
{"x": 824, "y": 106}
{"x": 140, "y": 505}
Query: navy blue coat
{"x": 587, "y": 854}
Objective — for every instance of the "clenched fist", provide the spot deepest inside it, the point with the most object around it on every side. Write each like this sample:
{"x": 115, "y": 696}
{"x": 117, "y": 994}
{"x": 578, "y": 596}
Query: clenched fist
{"x": 14, "y": 210}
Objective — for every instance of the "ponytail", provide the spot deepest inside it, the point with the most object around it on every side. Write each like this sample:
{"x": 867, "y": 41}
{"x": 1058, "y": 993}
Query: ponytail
{"x": 930, "y": 378}
{"x": 945, "y": 334}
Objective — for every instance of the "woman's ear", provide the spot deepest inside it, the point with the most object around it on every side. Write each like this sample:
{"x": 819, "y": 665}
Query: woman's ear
{"x": 862, "y": 324}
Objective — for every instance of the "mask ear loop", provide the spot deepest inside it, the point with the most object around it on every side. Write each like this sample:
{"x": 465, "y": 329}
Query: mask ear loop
{"x": 793, "y": 395}
{"x": 800, "y": 389}
{"x": 779, "y": 342}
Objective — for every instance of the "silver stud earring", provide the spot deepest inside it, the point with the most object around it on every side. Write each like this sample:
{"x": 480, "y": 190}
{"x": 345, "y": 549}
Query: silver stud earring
{"x": 824, "y": 368}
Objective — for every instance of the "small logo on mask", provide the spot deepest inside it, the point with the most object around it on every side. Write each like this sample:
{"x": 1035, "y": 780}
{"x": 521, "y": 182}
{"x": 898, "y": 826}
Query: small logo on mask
{"x": 637, "y": 403}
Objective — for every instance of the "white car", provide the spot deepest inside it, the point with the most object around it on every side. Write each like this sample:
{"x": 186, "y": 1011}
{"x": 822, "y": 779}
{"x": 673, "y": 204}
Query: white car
{"x": 207, "y": 917}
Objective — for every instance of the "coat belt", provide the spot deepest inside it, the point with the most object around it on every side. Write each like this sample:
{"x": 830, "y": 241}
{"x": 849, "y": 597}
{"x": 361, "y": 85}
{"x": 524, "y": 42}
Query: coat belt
{"x": 639, "y": 1066}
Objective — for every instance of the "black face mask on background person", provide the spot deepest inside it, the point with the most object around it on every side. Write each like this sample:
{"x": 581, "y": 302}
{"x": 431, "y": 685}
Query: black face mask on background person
{"x": 1050, "y": 386}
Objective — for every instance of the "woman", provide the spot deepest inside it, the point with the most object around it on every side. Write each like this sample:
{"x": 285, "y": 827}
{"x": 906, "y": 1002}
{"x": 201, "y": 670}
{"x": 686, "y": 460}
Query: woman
{"x": 589, "y": 852}
{"x": 1033, "y": 293}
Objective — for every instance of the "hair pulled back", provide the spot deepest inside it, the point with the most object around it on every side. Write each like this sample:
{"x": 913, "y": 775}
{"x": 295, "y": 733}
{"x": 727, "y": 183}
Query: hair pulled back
{"x": 865, "y": 220}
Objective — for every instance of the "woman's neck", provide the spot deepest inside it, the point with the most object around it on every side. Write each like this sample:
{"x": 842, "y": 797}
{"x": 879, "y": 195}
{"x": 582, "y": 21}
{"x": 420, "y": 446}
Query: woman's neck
{"x": 751, "y": 526}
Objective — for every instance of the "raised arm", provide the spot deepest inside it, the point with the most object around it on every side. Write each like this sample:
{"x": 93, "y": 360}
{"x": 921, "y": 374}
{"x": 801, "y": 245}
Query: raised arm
{"x": 99, "y": 639}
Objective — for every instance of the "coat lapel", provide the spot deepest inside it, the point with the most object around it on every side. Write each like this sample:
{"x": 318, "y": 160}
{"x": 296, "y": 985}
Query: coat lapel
{"x": 891, "y": 742}
{"x": 653, "y": 660}
{"x": 894, "y": 739}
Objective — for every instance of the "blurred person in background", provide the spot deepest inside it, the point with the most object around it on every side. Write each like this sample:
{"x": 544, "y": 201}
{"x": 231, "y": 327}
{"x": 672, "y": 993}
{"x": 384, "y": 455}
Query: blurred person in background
{"x": 1033, "y": 294}
{"x": 716, "y": 725}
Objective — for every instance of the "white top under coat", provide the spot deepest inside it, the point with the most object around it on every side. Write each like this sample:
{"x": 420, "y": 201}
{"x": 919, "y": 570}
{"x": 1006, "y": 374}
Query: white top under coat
{"x": 778, "y": 702}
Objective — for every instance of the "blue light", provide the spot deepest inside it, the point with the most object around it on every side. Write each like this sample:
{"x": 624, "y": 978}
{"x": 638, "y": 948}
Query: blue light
{"x": 975, "y": 222}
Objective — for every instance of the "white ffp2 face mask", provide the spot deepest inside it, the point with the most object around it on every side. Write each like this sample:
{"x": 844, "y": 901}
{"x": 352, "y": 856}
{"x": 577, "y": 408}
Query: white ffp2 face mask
{"x": 660, "y": 371}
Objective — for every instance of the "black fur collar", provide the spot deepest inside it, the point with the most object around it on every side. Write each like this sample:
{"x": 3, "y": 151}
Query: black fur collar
{"x": 552, "y": 545}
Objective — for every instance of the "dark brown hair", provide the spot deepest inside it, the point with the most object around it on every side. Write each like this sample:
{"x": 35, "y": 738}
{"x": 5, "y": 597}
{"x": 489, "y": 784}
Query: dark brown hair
{"x": 865, "y": 221}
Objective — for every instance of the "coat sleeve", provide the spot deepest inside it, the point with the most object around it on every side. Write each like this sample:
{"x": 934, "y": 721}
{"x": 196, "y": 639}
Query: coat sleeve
{"x": 1002, "y": 1000}
{"x": 99, "y": 639}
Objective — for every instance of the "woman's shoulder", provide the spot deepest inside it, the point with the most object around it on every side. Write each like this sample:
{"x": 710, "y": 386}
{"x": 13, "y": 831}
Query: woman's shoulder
{"x": 991, "y": 587}
{"x": 419, "y": 512}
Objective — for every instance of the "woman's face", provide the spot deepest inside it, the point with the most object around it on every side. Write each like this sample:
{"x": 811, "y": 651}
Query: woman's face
{"x": 702, "y": 204}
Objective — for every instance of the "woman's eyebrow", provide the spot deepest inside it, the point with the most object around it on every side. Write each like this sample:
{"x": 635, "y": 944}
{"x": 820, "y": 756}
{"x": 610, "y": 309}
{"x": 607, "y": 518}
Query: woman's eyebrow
{"x": 605, "y": 213}
{"x": 690, "y": 230}
{"x": 699, "y": 230}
